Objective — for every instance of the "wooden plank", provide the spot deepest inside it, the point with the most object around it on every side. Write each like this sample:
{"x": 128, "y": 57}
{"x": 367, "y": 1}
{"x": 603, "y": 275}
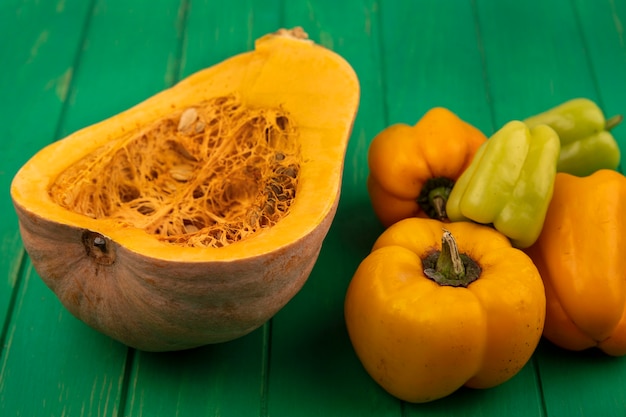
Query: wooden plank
{"x": 602, "y": 24}
{"x": 314, "y": 371}
{"x": 37, "y": 67}
{"x": 128, "y": 54}
{"x": 436, "y": 60}
{"x": 215, "y": 33}
{"x": 227, "y": 379}
{"x": 577, "y": 384}
{"x": 132, "y": 52}
{"x": 534, "y": 55}
{"x": 54, "y": 365}
{"x": 38, "y": 55}
{"x": 216, "y": 380}
{"x": 537, "y": 60}
{"x": 488, "y": 60}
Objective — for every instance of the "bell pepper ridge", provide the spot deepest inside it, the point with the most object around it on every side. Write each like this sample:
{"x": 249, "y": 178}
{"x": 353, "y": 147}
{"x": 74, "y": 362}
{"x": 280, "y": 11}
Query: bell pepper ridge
{"x": 587, "y": 143}
{"x": 590, "y": 313}
{"x": 402, "y": 158}
{"x": 421, "y": 340}
{"x": 509, "y": 182}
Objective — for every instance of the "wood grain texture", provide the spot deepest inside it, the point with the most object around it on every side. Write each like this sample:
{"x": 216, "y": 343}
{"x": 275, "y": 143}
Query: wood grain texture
{"x": 602, "y": 26}
{"x": 434, "y": 60}
{"x": 70, "y": 63}
{"x": 535, "y": 56}
{"x": 52, "y": 364}
{"x": 226, "y": 379}
{"x": 37, "y": 56}
{"x": 313, "y": 371}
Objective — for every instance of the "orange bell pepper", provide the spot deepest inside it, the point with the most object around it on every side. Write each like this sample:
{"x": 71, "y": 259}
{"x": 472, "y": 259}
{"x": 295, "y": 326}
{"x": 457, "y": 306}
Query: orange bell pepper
{"x": 413, "y": 168}
{"x": 580, "y": 256}
{"x": 429, "y": 311}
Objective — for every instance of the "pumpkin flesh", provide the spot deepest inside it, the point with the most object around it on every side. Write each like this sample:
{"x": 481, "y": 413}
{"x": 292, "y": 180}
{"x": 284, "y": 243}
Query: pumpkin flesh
{"x": 144, "y": 248}
{"x": 208, "y": 176}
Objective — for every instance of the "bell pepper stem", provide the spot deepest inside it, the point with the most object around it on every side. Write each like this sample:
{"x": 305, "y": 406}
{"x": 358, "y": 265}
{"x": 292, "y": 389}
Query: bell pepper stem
{"x": 613, "y": 122}
{"x": 448, "y": 266}
{"x": 434, "y": 196}
{"x": 438, "y": 198}
{"x": 449, "y": 261}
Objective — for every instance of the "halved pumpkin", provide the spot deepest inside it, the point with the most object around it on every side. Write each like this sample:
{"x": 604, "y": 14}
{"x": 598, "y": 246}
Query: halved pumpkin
{"x": 195, "y": 216}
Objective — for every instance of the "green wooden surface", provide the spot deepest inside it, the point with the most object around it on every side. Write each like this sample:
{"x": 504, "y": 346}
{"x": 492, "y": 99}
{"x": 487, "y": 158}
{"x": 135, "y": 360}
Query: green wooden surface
{"x": 69, "y": 63}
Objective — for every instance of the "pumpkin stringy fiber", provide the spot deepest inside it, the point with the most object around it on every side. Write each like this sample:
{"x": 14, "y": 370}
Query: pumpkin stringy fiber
{"x": 207, "y": 176}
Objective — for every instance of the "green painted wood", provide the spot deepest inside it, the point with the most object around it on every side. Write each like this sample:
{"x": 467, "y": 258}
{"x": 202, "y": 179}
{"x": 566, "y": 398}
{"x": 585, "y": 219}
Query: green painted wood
{"x": 217, "y": 380}
{"x": 40, "y": 44}
{"x": 438, "y": 60}
{"x": 552, "y": 63}
{"x": 214, "y": 32}
{"x": 313, "y": 369}
{"x": 435, "y": 60}
{"x": 487, "y": 60}
{"x": 129, "y": 52}
{"x": 132, "y": 51}
{"x": 54, "y": 365}
{"x": 582, "y": 384}
{"x": 534, "y": 56}
{"x": 36, "y": 68}
{"x": 226, "y": 379}
{"x": 602, "y": 25}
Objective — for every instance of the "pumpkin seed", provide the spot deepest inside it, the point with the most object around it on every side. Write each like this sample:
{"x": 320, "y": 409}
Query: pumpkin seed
{"x": 188, "y": 117}
{"x": 181, "y": 173}
{"x": 190, "y": 228}
{"x": 200, "y": 127}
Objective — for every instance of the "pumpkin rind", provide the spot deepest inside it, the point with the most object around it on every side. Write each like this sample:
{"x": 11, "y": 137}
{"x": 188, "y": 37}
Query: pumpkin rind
{"x": 155, "y": 295}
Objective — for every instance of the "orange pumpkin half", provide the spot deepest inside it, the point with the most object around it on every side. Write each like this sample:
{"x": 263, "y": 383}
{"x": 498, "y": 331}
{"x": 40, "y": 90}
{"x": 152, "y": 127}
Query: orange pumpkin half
{"x": 195, "y": 216}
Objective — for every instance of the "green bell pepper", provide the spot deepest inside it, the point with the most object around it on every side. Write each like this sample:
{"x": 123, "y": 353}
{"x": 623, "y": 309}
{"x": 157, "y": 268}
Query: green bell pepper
{"x": 509, "y": 182}
{"x": 586, "y": 142}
